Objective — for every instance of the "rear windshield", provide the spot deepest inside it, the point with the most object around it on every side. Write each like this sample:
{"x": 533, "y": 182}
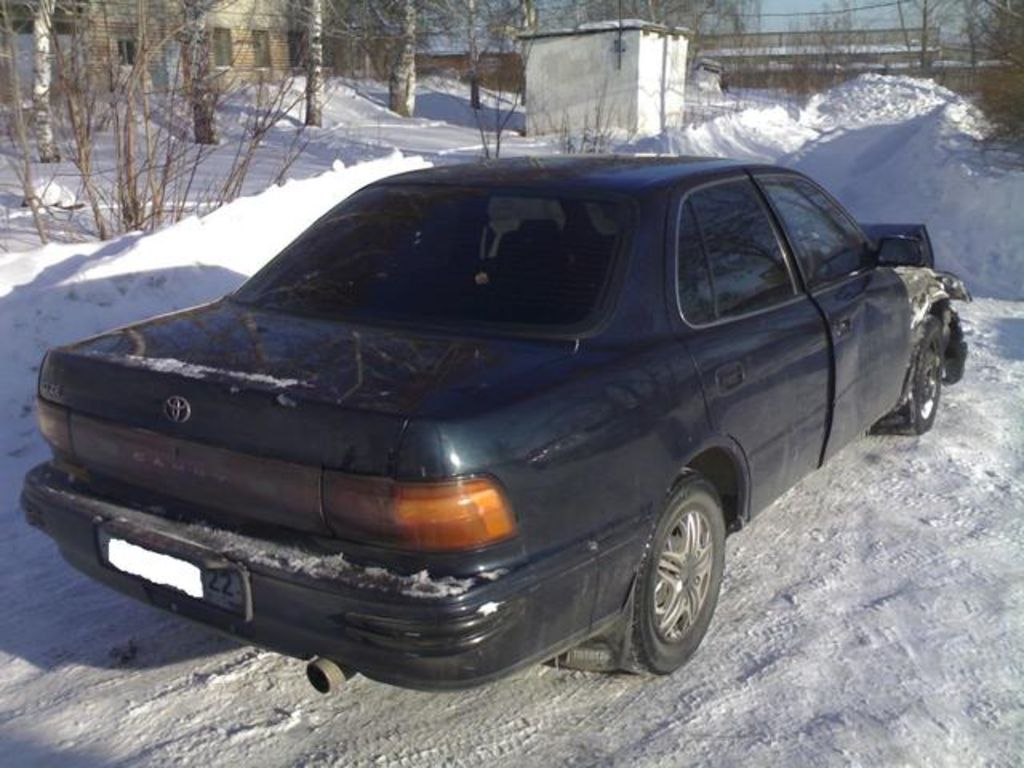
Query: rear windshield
{"x": 448, "y": 255}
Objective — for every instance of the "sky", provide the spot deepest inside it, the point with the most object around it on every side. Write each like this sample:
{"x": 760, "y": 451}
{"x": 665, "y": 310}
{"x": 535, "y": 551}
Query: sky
{"x": 873, "y": 18}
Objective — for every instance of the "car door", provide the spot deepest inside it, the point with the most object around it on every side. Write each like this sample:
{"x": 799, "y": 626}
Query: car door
{"x": 866, "y": 307}
{"x": 760, "y": 345}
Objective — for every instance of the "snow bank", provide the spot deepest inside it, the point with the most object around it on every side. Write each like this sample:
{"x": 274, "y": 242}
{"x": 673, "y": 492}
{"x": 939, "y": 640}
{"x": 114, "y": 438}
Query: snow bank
{"x": 244, "y": 235}
{"x": 239, "y": 237}
{"x": 872, "y": 100}
{"x": 761, "y": 133}
{"x": 56, "y": 195}
{"x": 892, "y": 149}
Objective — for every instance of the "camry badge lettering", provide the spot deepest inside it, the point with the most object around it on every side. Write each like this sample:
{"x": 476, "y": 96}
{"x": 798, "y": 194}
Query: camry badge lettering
{"x": 177, "y": 409}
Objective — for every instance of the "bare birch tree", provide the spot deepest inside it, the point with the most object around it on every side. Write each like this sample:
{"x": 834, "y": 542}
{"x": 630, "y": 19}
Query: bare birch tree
{"x": 473, "y": 51}
{"x": 20, "y": 161}
{"x": 527, "y": 14}
{"x": 42, "y": 120}
{"x": 933, "y": 13}
{"x": 195, "y": 59}
{"x": 315, "y": 63}
{"x": 402, "y": 81}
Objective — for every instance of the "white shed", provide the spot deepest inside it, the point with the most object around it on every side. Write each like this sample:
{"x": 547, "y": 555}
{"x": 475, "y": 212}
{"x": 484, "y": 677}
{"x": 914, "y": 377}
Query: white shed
{"x": 628, "y": 75}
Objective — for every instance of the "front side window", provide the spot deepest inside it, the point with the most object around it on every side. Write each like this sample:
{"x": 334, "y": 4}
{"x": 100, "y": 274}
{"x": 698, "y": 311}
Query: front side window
{"x": 449, "y": 255}
{"x": 730, "y": 261}
{"x": 828, "y": 245}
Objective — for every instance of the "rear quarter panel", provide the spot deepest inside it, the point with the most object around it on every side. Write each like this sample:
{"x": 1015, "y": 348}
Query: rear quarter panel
{"x": 588, "y": 461}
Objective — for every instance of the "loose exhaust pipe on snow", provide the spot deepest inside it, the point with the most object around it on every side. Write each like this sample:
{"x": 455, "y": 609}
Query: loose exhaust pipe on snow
{"x": 326, "y": 675}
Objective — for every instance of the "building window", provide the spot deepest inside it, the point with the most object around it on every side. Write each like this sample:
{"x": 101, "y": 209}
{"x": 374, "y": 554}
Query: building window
{"x": 261, "y": 48}
{"x": 296, "y": 48}
{"x": 222, "y": 53}
{"x": 126, "y": 52}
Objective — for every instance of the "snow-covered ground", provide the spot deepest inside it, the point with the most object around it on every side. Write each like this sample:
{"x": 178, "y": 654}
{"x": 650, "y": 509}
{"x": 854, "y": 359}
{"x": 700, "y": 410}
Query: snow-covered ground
{"x": 873, "y": 616}
{"x": 356, "y": 127}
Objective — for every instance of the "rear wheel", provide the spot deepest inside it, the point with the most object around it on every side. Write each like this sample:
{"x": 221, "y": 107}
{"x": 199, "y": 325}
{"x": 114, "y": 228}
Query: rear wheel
{"x": 679, "y": 578}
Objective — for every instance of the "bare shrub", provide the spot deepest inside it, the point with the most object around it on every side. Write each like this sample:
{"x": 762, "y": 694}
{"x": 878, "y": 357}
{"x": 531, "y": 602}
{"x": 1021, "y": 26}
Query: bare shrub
{"x": 154, "y": 178}
{"x": 1002, "y": 100}
{"x": 1002, "y": 87}
{"x": 18, "y": 124}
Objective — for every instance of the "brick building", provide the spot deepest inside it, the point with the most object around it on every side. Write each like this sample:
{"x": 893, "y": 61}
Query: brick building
{"x": 249, "y": 39}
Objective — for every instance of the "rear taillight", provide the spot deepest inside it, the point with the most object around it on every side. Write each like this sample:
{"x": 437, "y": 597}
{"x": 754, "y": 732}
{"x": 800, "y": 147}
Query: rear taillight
{"x": 54, "y": 423}
{"x": 451, "y": 515}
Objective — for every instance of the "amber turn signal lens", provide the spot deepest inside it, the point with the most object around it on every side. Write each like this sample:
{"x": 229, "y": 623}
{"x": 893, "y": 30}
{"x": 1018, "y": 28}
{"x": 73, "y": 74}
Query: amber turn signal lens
{"x": 447, "y": 516}
{"x": 459, "y": 515}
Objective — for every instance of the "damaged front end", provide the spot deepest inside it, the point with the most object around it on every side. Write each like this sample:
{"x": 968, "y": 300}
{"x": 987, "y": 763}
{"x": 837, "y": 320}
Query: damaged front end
{"x": 931, "y": 293}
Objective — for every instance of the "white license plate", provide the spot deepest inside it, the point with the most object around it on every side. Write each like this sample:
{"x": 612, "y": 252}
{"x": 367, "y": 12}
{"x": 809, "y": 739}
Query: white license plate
{"x": 217, "y": 583}
{"x": 155, "y": 567}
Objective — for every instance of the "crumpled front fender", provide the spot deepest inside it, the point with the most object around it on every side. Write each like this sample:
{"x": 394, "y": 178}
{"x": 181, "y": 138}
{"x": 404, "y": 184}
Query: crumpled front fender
{"x": 927, "y": 287}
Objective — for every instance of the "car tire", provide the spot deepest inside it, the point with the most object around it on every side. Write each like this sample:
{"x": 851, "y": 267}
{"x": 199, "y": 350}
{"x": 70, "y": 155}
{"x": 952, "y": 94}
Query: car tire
{"x": 679, "y": 578}
{"x": 926, "y": 385}
{"x": 917, "y": 413}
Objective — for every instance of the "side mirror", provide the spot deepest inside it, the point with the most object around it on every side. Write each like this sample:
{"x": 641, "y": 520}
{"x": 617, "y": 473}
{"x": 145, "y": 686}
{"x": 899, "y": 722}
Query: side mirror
{"x": 901, "y": 252}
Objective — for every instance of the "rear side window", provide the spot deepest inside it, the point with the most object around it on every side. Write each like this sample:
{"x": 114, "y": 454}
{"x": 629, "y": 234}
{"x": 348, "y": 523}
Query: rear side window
{"x": 828, "y": 245}
{"x": 449, "y": 255}
{"x": 730, "y": 261}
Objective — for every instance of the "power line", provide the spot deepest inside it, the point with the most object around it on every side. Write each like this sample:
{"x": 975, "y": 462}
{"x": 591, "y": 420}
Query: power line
{"x": 836, "y": 12}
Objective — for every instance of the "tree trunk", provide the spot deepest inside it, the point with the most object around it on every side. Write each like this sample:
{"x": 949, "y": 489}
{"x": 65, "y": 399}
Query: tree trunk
{"x": 42, "y": 29}
{"x": 315, "y": 63}
{"x": 925, "y": 56}
{"x": 528, "y": 14}
{"x": 474, "y": 56}
{"x": 402, "y": 83}
{"x": 195, "y": 58}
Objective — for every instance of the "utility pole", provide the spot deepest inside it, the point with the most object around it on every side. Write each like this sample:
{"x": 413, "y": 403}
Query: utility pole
{"x": 903, "y": 24}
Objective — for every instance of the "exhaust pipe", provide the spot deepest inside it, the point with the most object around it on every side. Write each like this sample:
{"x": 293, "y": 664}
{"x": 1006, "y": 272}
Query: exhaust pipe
{"x": 326, "y": 675}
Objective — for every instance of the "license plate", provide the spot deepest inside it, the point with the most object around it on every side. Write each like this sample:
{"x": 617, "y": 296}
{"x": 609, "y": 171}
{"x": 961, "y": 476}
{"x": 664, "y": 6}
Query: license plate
{"x": 222, "y": 586}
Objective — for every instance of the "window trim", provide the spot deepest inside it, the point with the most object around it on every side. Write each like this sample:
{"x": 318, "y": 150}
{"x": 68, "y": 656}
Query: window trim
{"x": 231, "y": 48}
{"x": 780, "y": 239}
{"x": 828, "y": 284}
{"x": 254, "y": 35}
{"x": 127, "y": 52}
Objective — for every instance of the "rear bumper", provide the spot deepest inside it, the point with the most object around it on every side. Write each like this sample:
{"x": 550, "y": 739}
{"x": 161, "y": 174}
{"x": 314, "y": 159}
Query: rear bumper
{"x": 462, "y": 634}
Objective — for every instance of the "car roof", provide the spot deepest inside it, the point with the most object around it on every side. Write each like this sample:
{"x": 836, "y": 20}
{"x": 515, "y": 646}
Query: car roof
{"x": 613, "y": 173}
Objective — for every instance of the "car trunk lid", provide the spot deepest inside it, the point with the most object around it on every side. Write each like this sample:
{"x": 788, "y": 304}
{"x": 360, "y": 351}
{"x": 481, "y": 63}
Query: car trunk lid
{"x": 242, "y": 409}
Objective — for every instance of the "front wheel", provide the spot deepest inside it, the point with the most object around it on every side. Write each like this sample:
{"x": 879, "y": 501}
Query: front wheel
{"x": 927, "y": 367}
{"x": 679, "y": 578}
{"x": 926, "y": 386}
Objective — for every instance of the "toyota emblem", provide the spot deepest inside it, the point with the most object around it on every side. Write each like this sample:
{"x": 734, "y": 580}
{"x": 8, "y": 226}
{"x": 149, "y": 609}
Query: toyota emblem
{"x": 177, "y": 409}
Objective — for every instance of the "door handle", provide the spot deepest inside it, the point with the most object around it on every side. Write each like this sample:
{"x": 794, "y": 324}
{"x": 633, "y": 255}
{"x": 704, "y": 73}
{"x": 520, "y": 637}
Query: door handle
{"x": 729, "y": 376}
{"x": 842, "y": 326}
